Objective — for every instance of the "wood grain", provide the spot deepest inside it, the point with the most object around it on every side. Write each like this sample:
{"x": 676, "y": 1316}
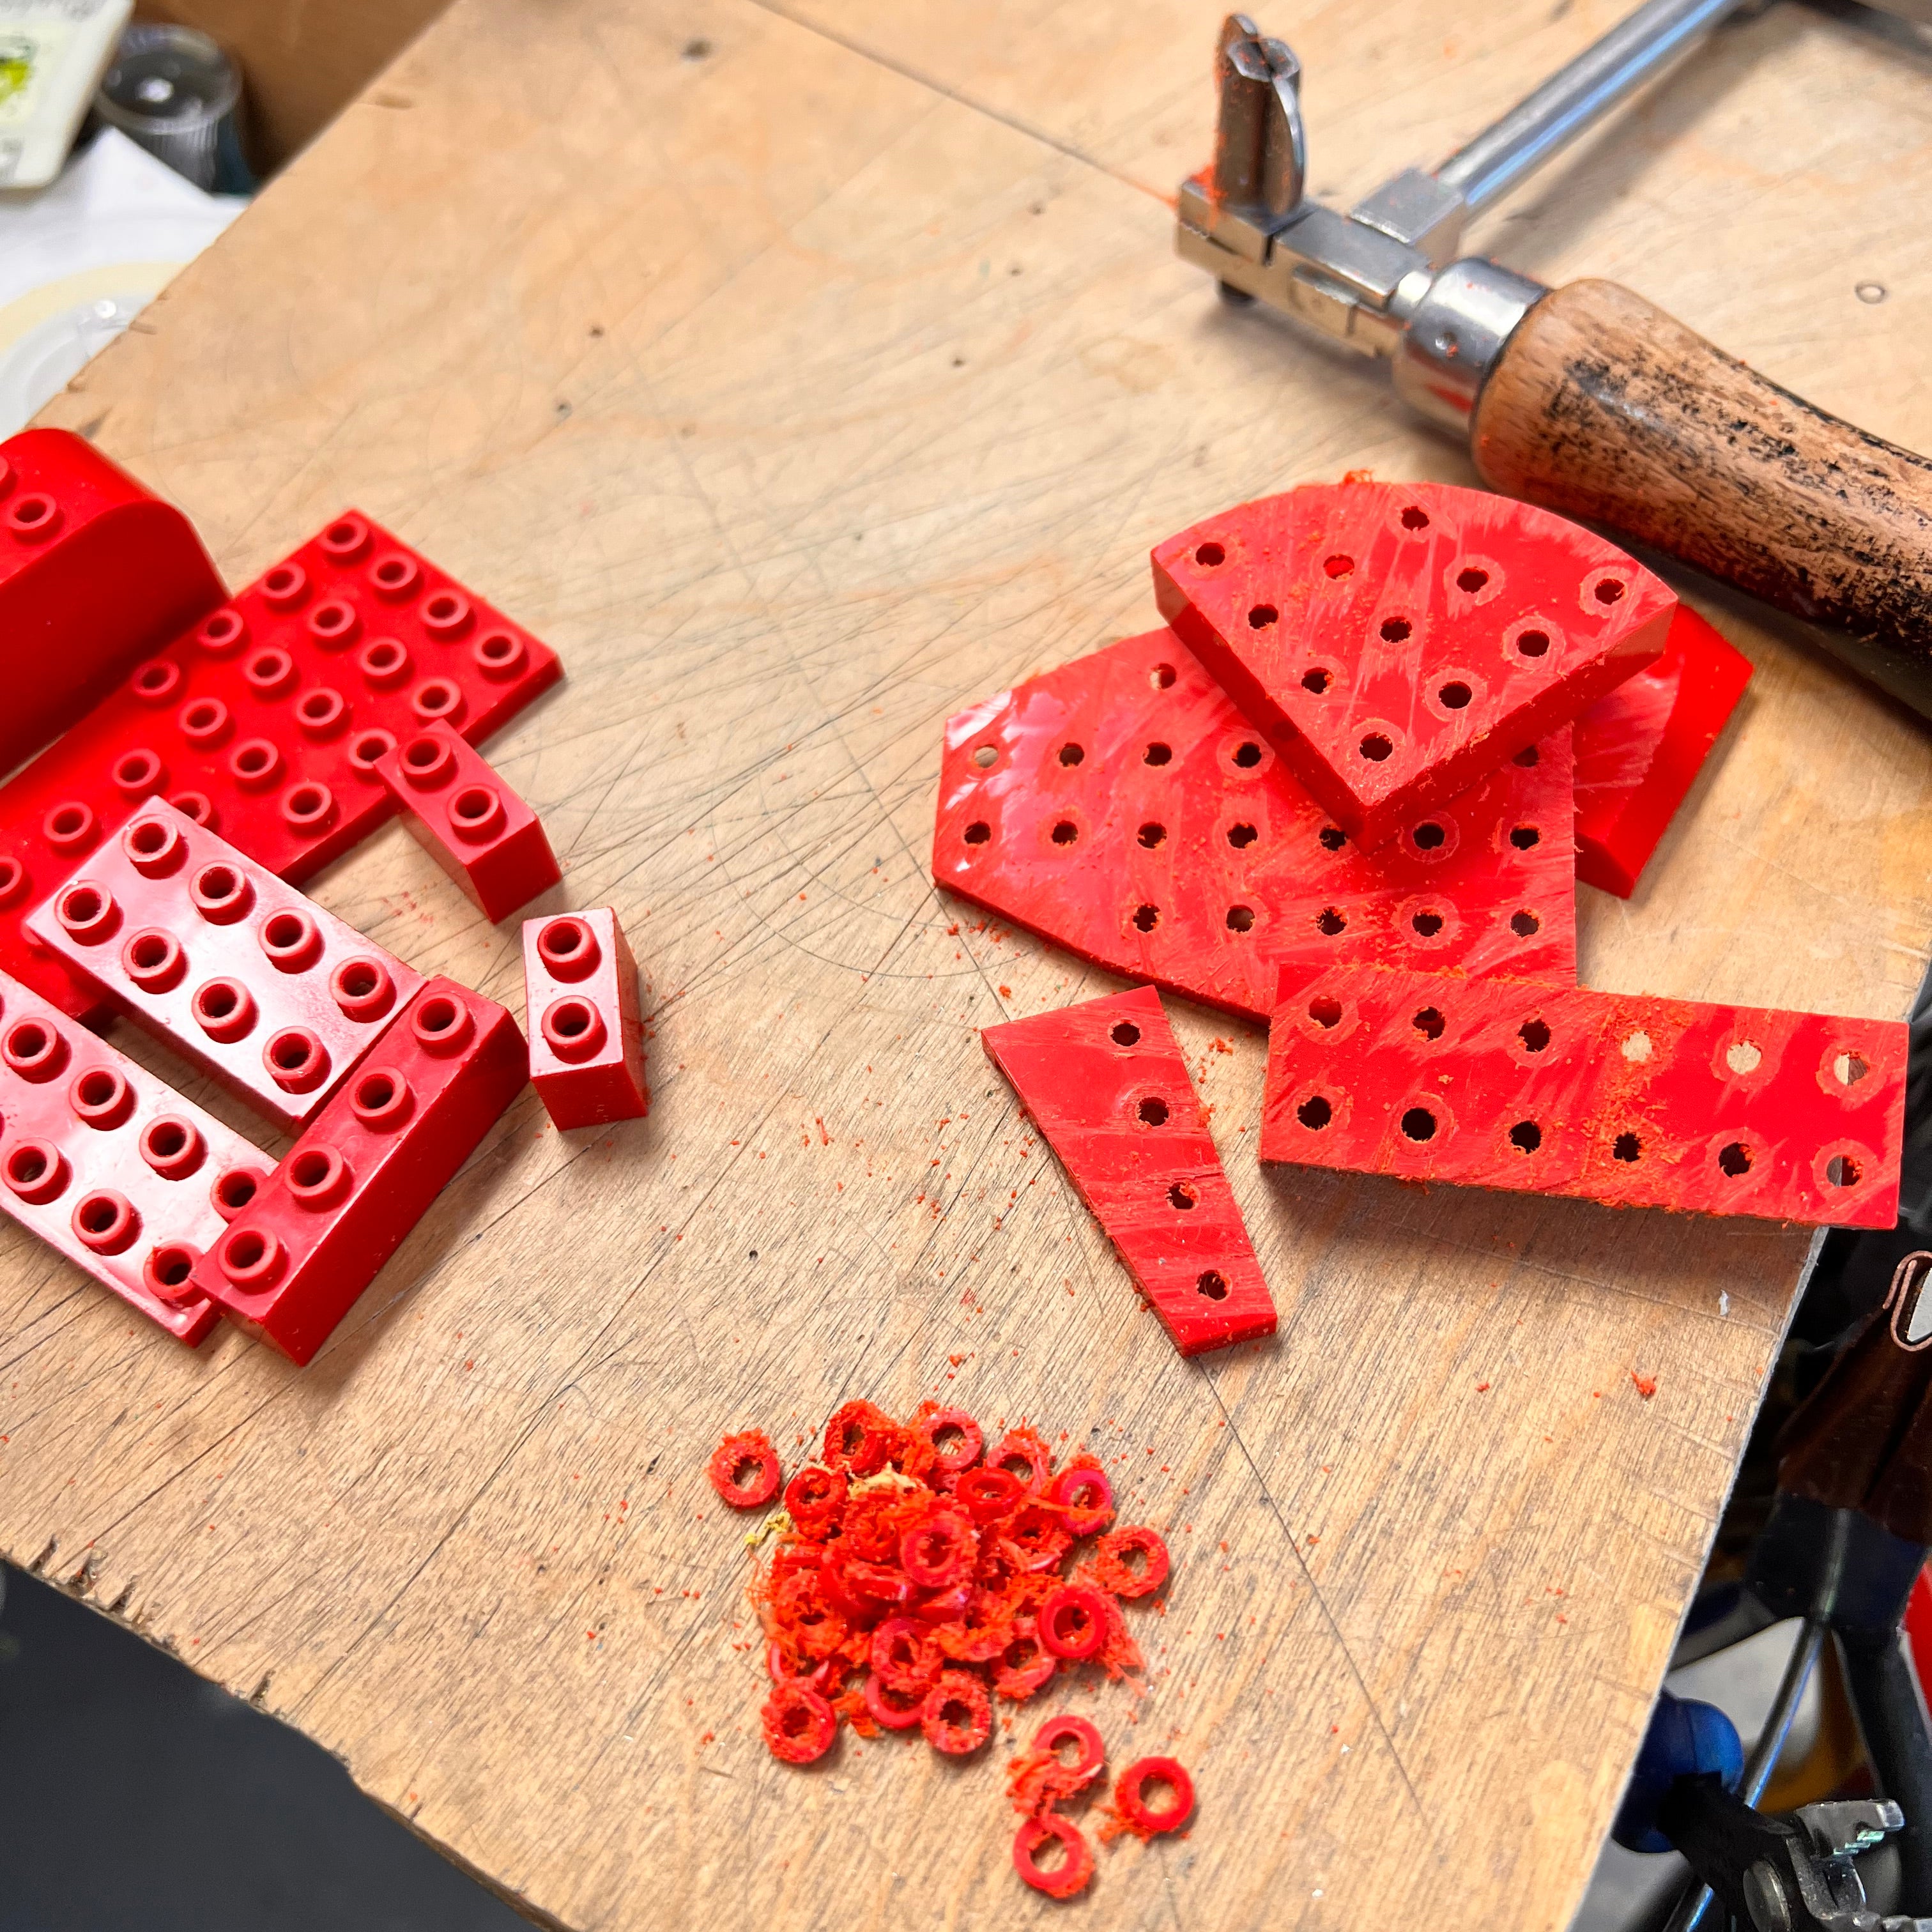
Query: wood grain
{"x": 798, "y": 391}
{"x": 1606, "y": 408}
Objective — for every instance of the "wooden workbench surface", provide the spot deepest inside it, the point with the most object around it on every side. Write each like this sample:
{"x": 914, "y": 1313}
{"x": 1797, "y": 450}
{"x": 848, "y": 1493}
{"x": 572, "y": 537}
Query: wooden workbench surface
{"x": 802, "y": 373}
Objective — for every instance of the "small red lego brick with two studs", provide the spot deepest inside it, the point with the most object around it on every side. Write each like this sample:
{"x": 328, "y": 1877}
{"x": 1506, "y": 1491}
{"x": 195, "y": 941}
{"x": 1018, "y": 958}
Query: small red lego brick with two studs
{"x": 586, "y": 1036}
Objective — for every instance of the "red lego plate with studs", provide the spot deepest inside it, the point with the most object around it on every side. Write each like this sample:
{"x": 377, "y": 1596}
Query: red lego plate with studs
{"x": 1640, "y": 750}
{"x": 1632, "y": 1101}
{"x": 265, "y": 720}
{"x": 1120, "y": 806}
{"x": 214, "y": 954}
{"x": 1106, "y": 1084}
{"x": 1396, "y": 643}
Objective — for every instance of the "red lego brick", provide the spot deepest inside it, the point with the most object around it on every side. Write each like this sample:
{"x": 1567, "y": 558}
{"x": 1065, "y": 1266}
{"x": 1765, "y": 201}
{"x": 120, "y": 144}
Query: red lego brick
{"x": 1619, "y": 1098}
{"x": 580, "y": 1005}
{"x": 214, "y": 955}
{"x": 129, "y": 1181}
{"x": 1397, "y": 643}
{"x": 265, "y": 721}
{"x": 1106, "y": 1085}
{"x": 291, "y": 1264}
{"x": 1120, "y": 806}
{"x": 95, "y": 573}
{"x": 468, "y": 820}
{"x": 1640, "y": 750}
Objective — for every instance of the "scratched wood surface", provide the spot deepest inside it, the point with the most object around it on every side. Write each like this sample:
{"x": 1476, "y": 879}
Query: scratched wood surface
{"x": 802, "y": 375}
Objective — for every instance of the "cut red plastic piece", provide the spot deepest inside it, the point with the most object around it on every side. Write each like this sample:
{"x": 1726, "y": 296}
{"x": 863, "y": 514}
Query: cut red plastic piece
{"x": 751, "y": 1448}
{"x": 1130, "y": 1803}
{"x": 1106, "y": 1084}
{"x": 1113, "y": 1570}
{"x": 1120, "y": 806}
{"x": 128, "y": 1179}
{"x": 1640, "y": 750}
{"x": 957, "y": 1716}
{"x": 470, "y": 822}
{"x": 363, "y": 1173}
{"x": 264, "y": 722}
{"x": 214, "y": 955}
{"x": 1632, "y": 1101}
{"x": 1076, "y": 1856}
{"x": 1071, "y": 1621}
{"x": 1398, "y": 642}
{"x": 799, "y": 1724}
{"x": 95, "y": 573}
{"x": 580, "y": 1005}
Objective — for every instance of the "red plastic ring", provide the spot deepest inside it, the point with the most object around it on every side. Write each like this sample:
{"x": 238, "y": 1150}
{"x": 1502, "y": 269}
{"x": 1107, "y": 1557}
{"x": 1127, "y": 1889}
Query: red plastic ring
{"x": 799, "y": 1724}
{"x": 1071, "y": 1621}
{"x": 957, "y": 1716}
{"x": 731, "y": 1455}
{"x": 1070, "y": 1875}
{"x": 1134, "y": 1809}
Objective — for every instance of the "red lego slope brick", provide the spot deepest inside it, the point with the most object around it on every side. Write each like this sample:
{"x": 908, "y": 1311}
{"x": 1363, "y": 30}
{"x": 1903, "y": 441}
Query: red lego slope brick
{"x": 1396, "y": 643}
{"x": 468, "y": 820}
{"x": 1120, "y": 806}
{"x": 265, "y": 721}
{"x": 292, "y": 1263}
{"x": 95, "y": 573}
{"x": 106, "y": 1163}
{"x": 214, "y": 954}
{"x": 1106, "y": 1085}
{"x": 1640, "y": 750}
{"x": 1632, "y": 1101}
{"x": 580, "y": 1005}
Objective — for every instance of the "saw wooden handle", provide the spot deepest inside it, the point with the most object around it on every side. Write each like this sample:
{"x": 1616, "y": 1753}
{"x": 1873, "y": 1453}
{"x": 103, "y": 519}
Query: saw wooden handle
{"x": 1603, "y": 407}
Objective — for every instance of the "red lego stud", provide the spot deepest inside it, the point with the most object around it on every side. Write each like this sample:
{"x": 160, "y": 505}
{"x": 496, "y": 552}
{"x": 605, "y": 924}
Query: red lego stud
{"x": 112, "y": 1167}
{"x": 274, "y": 997}
{"x": 468, "y": 820}
{"x": 1396, "y": 643}
{"x": 291, "y": 1265}
{"x": 1632, "y": 1101}
{"x": 95, "y": 573}
{"x": 1106, "y": 1084}
{"x": 580, "y": 1005}
{"x": 1122, "y": 807}
{"x": 1640, "y": 750}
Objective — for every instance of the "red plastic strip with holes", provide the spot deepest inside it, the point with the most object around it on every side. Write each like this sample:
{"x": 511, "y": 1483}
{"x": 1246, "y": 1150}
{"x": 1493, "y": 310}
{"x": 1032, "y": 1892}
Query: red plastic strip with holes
{"x": 1120, "y": 806}
{"x": 1632, "y": 1101}
{"x": 1396, "y": 643}
{"x": 1106, "y": 1084}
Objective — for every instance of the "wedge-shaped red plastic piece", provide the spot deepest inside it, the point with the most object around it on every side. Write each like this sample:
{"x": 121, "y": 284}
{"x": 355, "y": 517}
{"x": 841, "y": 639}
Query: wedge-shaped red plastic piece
{"x": 291, "y": 1264}
{"x": 1619, "y": 1098}
{"x": 214, "y": 955}
{"x": 1640, "y": 750}
{"x": 1122, "y": 807}
{"x": 1106, "y": 1084}
{"x": 580, "y": 1005}
{"x": 468, "y": 820}
{"x": 128, "y": 1179}
{"x": 95, "y": 573}
{"x": 1396, "y": 643}
{"x": 265, "y": 721}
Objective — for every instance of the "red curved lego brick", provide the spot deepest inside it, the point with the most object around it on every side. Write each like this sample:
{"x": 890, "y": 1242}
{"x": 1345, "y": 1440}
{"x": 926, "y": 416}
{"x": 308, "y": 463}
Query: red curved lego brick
{"x": 95, "y": 573}
{"x": 1640, "y": 750}
{"x": 580, "y": 1006}
{"x": 266, "y": 719}
{"x": 1398, "y": 642}
{"x": 1620, "y": 1098}
{"x": 463, "y": 813}
{"x": 111, "y": 1126}
{"x": 1106, "y": 1085}
{"x": 1120, "y": 806}
{"x": 298, "y": 967}
{"x": 291, "y": 1264}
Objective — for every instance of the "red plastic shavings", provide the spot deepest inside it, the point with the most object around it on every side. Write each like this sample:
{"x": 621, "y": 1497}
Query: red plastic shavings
{"x": 799, "y": 1723}
{"x": 957, "y": 1716}
{"x": 815, "y": 1495}
{"x": 1023, "y": 1454}
{"x": 1640, "y": 750}
{"x": 1039, "y": 1777}
{"x": 1064, "y": 1879}
{"x": 859, "y": 1439}
{"x": 1107, "y": 1084}
{"x": 1131, "y": 1811}
{"x": 731, "y": 1455}
{"x": 1122, "y": 807}
{"x": 1397, "y": 643}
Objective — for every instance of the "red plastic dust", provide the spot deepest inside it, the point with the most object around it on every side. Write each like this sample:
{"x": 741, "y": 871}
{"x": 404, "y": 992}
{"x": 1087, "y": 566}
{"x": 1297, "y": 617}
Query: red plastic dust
{"x": 957, "y": 1716}
{"x": 799, "y": 1724}
{"x": 1076, "y": 1863}
{"x": 1130, "y": 1806}
{"x": 751, "y": 1449}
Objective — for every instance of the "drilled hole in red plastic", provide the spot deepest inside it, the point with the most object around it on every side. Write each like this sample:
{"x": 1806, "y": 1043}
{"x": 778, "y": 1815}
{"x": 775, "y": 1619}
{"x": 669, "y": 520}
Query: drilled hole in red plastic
{"x": 1069, "y": 754}
{"x": 1535, "y": 1035}
{"x": 1315, "y": 1112}
{"x": 1065, "y": 832}
{"x": 978, "y": 833}
{"x": 986, "y": 756}
{"x": 1124, "y": 1032}
{"x": 1324, "y": 1011}
{"x": 1525, "y": 1136}
{"x": 1848, "y": 1069}
{"x": 1338, "y": 566}
{"x": 1429, "y": 837}
{"x": 1735, "y": 1160}
{"x": 1609, "y": 590}
{"x": 1162, "y": 676}
{"x": 1626, "y": 1146}
{"x": 1524, "y": 925}
{"x": 1419, "y": 1124}
{"x": 1375, "y": 746}
{"x": 1247, "y": 754}
{"x": 1210, "y": 556}
{"x": 1240, "y": 918}
{"x": 1414, "y": 518}
{"x": 1332, "y": 837}
{"x": 1146, "y": 918}
{"x": 1396, "y": 630}
{"x": 1471, "y": 579}
{"x": 1532, "y": 643}
{"x": 1157, "y": 754}
{"x": 1241, "y": 836}
{"x": 1317, "y": 679}
{"x": 1181, "y": 1197}
{"x": 1426, "y": 925}
{"x": 1841, "y": 1171}
{"x": 1523, "y": 837}
{"x": 1151, "y": 834}
{"x": 1331, "y": 920}
{"x": 1454, "y": 695}
{"x": 1153, "y": 1110}
{"x": 1429, "y": 1023}
{"x": 1261, "y": 617}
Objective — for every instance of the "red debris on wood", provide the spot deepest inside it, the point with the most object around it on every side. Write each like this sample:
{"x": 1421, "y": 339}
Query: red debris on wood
{"x": 1131, "y": 1811}
{"x": 1039, "y": 1777}
{"x": 1107, "y": 1087}
{"x": 1398, "y": 642}
{"x": 1058, "y": 1881}
{"x": 753, "y": 1447}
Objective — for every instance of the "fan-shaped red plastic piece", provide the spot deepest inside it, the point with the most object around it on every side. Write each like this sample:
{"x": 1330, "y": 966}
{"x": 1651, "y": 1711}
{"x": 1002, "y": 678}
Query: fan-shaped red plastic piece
{"x": 1397, "y": 642}
{"x": 1120, "y": 806}
{"x": 1106, "y": 1084}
